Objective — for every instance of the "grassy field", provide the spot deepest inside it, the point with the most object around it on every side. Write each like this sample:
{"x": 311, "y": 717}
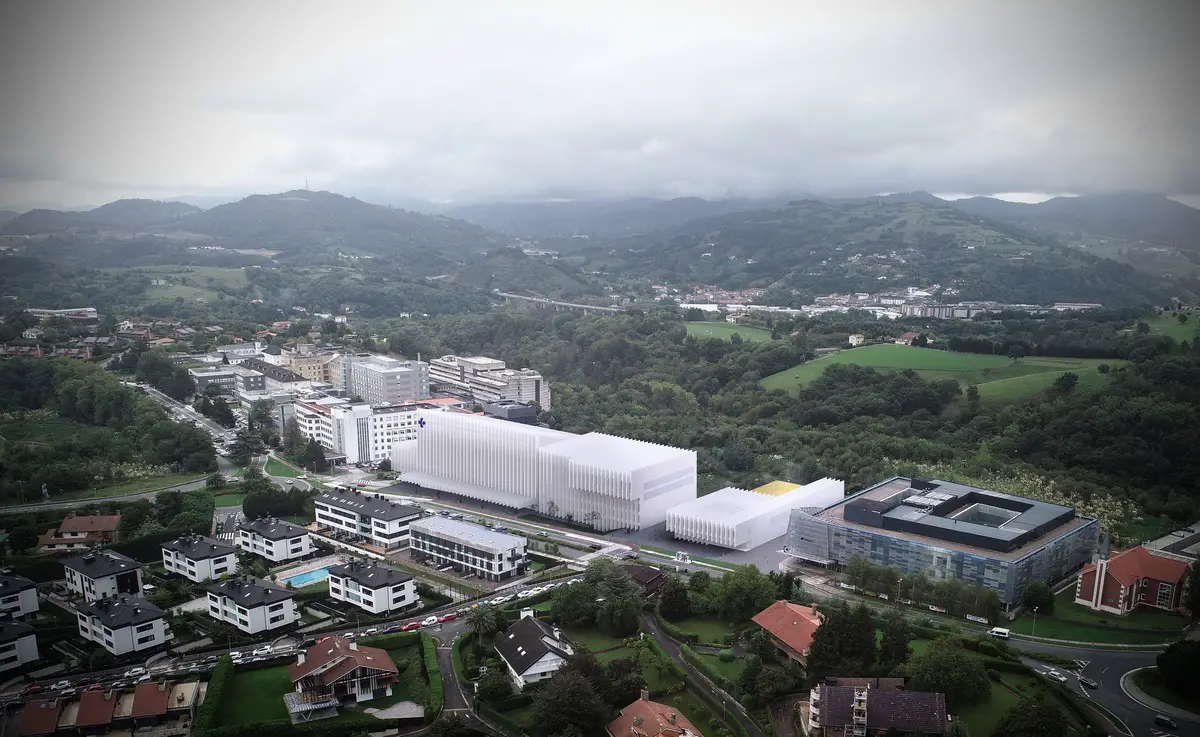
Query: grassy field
{"x": 725, "y": 330}
{"x": 133, "y": 487}
{"x": 593, "y": 640}
{"x": 692, "y": 707}
{"x": 254, "y": 696}
{"x": 278, "y": 468}
{"x": 999, "y": 378}
{"x": 1072, "y": 622}
{"x": 983, "y": 718}
{"x": 1149, "y": 681}
{"x": 731, "y": 670}
{"x": 38, "y": 432}
{"x": 708, "y": 630}
{"x": 1169, "y": 325}
{"x": 229, "y": 500}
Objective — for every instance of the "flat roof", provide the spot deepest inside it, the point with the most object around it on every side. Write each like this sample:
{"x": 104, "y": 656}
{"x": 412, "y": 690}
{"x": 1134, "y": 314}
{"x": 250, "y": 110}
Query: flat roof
{"x": 613, "y": 452}
{"x": 467, "y": 532}
{"x": 776, "y": 488}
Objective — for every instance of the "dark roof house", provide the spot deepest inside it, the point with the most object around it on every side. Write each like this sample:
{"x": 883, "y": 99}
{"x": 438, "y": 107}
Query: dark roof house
{"x": 101, "y": 563}
{"x": 40, "y": 718}
{"x": 370, "y": 575}
{"x": 529, "y": 642}
{"x": 121, "y": 611}
{"x": 249, "y": 592}
{"x": 197, "y": 547}
{"x": 371, "y": 505}
{"x": 272, "y": 529}
{"x": 888, "y": 706}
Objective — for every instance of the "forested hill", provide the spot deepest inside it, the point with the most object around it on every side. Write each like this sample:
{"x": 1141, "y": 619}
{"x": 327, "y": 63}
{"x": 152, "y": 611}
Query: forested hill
{"x": 868, "y": 245}
{"x": 121, "y": 214}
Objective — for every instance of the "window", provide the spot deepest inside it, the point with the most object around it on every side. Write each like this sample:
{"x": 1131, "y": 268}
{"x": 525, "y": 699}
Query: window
{"x": 144, "y": 627}
{"x": 146, "y": 639}
{"x": 1165, "y": 592}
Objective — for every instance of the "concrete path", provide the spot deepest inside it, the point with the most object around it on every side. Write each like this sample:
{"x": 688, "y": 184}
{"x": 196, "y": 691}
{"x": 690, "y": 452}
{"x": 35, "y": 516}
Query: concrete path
{"x": 1130, "y": 687}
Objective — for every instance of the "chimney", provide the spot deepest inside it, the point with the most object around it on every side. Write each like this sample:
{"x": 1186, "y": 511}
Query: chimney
{"x": 557, "y": 634}
{"x": 671, "y": 719}
{"x": 645, "y": 695}
{"x": 353, "y": 644}
{"x": 300, "y": 658}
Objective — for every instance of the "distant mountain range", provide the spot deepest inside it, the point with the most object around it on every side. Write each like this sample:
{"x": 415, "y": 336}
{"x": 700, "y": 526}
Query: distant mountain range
{"x": 122, "y": 214}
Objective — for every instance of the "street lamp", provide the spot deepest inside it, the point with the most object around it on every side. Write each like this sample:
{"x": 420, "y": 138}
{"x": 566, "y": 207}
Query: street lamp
{"x": 1033, "y": 631}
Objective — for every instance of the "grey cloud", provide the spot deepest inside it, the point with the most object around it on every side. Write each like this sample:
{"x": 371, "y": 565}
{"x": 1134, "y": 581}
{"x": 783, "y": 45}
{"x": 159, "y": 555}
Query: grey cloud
{"x": 467, "y": 100}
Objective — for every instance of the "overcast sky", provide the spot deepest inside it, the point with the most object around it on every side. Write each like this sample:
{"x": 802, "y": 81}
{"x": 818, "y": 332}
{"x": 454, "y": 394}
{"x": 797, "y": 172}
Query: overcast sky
{"x": 462, "y": 101}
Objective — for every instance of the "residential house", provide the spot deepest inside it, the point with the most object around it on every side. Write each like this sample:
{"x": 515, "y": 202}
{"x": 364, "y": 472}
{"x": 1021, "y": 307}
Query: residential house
{"x": 123, "y": 624}
{"x": 337, "y": 669}
{"x": 374, "y": 588}
{"x": 646, "y": 718}
{"x": 649, "y": 578}
{"x": 372, "y": 518}
{"x": 737, "y": 318}
{"x": 791, "y": 627}
{"x": 874, "y": 707}
{"x": 274, "y": 539}
{"x": 198, "y": 558}
{"x": 857, "y": 339}
{"x": 532, "y": 650}
{"x": 18, "y": 596}
{"x": 95, "y": 713}
{"x": 18, "y": 645}
{"x": 1132, "y": 578}
{"x": 81, "y": 532}
{"x": 251, "y": 605}
{"x": 103, "y": 574}
{"x": 34, "y": 333}
{"x": 40, "y": 718}
{"x": 907, "y": 338}
{"x": 21, "y": 351}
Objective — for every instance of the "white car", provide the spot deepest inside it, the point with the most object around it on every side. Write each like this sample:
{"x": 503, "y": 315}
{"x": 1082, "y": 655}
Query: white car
{"x": 265, "y": 650}
{"x": 1056, "y": 676}
{"x": 144, "y": 679}
{"x": 429, "y": 621}
{"x": 62, "y": 686}
{"x": 135, "y": 672}
{"x": 573, "y": 581}
{"x": 526, "y": 594}
{"x": 501, "y": 600}
{"x": 302, "y": 477}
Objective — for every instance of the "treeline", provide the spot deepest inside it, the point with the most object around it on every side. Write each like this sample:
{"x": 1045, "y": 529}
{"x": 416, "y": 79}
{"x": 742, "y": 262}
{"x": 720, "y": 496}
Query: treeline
{"x": 118, "y": 430}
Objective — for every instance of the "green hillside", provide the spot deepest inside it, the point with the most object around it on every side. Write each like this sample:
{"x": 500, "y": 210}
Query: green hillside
{"x": 999, "y": 378}
{"x": 725, "y": 331}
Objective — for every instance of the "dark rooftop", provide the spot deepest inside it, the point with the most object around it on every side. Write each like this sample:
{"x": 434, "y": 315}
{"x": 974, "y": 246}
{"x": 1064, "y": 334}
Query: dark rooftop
{"x": 121, "y": 611}
{"x": 249, "y": 592}
{"x": 11, "y": 631}
{"x": 525, "y": 642}
{"x": 273, "y": 529}
{"x": 101, "y": 563}
{"x": 11, "y": 583}
{"x": 271, "y": 371}
{"x": 370, "y": 575}
{"x": 907, "y": 711}
{"x": 367, "y": 503}
{"x": 197, "y": 547}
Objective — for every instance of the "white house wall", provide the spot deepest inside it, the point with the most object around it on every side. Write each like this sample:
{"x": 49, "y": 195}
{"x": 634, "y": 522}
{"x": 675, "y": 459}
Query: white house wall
{"x": 20, "y": 651}
{"x": 742, "y": 520}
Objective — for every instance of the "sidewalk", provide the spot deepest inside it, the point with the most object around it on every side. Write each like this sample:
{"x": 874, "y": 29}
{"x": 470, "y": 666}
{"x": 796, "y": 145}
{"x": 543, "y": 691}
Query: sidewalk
{"x": 1132, "y": 691}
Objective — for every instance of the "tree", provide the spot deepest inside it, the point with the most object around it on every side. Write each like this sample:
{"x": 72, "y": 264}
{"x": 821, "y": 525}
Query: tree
{"x": 449, "y": 724}
{"x": 957, "y": 729}
{"x": 761, "y": 644}
{"x": 674, "y": 602}
{"x": 168, "y": 505}
{"x": 742, "y": 593}
{"x": 1177, "y": 667}
{"x": 1037, "y": 595}
{"x": 1182, "y": 318}
{"x": 314, "y": 456}
{"x": 1032, "y": 716}
{"x": 699, "y": 581}
{"x": 587, "y": 714}
{"x": 482, "y": 622}
{"x": 973, "y": 397}
{"x": 575, "y": 606}
{"x": 1191, "y": 597}
{"x": 1016, "y": 352}
{"x": 921, "y": 341}
{"x": 22, "y": 538}
{"x": 215, "y": 481}
{"x": 747, "y": 682}
{"x": 843, "y": 643}
{"x": 946, "y": 668}
{"x": 495, "y": 685}
{"x": 1065, "y": 383}
{"x": 736, "y": 456}
{"x": 893, "y": 648}
{"x": 385, "y": 465}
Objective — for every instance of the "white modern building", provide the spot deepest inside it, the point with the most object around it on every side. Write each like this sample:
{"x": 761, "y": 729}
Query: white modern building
{"x": 363, "y": 433}
{"x": 384, "y": 380}
{"x": 472, "y": 548}
{"x": 600, "y": 480}
{"x": 103, "y": 574}
{"x": 274, "y": 539}
{"x": 374, "y": 588}
{"x": 18, "y": 596}
{"x": 125, "y": 624}
{"x": 18, "y": 645}
{"x": 741, "y": 520}
{"x": 372, "y": 518}
{"x": 199, "y": 559}
{"x": 488, "y": 380}
{"x": 251, "y": 605}
{"x": 532, "y": 650}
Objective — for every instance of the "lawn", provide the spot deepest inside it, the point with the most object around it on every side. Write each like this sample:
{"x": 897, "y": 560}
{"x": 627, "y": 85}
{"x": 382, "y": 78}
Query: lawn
{"x": 278, "y": 468}
{"x": 1149, "y": 681}
{"x": 708, "y": 630}
{"x": 593, "y": 640}
{"x": 412, "y": 684}
{"x": 999, "y": 378}
{"x": 731, "y": 670}
{"x": 133, "y": 487}
{"x": 692, "y": 707}
{"x": 1072, "y": 622}
{"x": 610, "y": 655}
{"x": 39, "y": 432}
{"x": 725, "y": 331}
{"x": 983, "y": 718}
{"x": 229, "y": 500}
{"x": 254, "y": 696}
{"x": 1167, "y": 324}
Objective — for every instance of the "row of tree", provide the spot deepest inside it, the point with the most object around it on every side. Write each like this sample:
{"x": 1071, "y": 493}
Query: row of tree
{"x": 952, "y": 594}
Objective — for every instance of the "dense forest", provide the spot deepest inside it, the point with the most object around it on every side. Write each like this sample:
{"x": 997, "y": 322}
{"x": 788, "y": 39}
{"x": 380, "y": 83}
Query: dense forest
{"x": 1118, "y": 453}
{"x": 71, "y": 426}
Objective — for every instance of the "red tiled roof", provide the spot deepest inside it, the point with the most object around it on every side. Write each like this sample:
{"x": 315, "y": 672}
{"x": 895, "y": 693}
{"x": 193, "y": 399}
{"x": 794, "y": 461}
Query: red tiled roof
{"x": 150, "y": 700}
{"x": 333, "y": 649}
{"x": 792, "y": 624}
{"x": 95, "y": 709}
{"x": 653, "y": 720}
{"x": 40, "y": 718}
{"x": 91, "y": 523}
{"x": 1130, "y": 565}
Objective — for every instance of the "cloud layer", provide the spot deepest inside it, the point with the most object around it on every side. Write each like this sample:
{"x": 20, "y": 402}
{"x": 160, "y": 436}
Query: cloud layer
{"x": 477, "y": 100}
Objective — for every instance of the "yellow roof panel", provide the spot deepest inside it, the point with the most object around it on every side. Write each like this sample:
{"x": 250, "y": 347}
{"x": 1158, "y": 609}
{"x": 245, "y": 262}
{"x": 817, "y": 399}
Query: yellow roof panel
{"x": 777, "y": 488}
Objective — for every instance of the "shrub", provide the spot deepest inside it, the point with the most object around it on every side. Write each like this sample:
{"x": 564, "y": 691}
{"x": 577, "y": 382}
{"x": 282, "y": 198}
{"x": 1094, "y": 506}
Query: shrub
{"x": 704, "y": 667}
{"x": 461, "y": 673}
{"x": 726, "y": 656}
{"x": 993, "y": 674}
{"x": 207, "y": 714}
{"x": 434, "y": 672}
{"x": 689, "y": 638}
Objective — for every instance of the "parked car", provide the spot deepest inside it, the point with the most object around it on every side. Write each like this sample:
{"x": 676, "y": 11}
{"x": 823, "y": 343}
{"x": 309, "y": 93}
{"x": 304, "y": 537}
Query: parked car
{"x": 350, "y": 635}
{"x": 429, "y": 621}
{"x": 525, "y": 594}
{"x": 573, "y": 581}
{"x": 410, "y": 626}
{"x": 62, "y": 686}
{"x": 215, "y": 658}
{"x": 371, "y": 631}
{"x": 501, "y": 600}
{"x": 306, "y": 644}
{"x": 95, "y": 687}
{"x": 146, "y": 678}
{"x": 264, "y": 650}
{"x": 448, "y": 617}
{"x": 1088, "y": 682}
{"x": 302, "y": 477}
{"x": 116, "y": 685}
{"x": 1162, "y": 721}
{"x": 1056, "y": 676}
{"x": 135, "y": 672}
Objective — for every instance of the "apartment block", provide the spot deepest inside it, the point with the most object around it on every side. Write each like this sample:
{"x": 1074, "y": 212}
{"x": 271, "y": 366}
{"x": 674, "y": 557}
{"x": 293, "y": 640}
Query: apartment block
{"x": 370, "y": 518}
{"x": 467, "y": 547}
{"x": 18, "y": 645}
{"x": 18, "y": 596}
{"x": 385, "y": 380}
{"x": 103, "y": 574}
{"x": 488, "y": 380}
{"x": 374, "y": 588}
{"x": 276, "y": 540}
{"x": 199, "y": 559}
{"x": 125, "y": 624}
{"x": 252, "y": 605}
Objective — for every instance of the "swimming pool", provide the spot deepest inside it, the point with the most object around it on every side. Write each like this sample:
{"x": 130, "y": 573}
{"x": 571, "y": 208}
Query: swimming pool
{"x": 305, "y": 579}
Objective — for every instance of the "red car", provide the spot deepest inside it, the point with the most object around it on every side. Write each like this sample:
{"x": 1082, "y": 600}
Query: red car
{"x": 448, "y": 617}
{"x": 30, "y": 690}
{"x": 361, "y": 483}
{"x": 94, "y": 687}
{"x": 411, "y": 626}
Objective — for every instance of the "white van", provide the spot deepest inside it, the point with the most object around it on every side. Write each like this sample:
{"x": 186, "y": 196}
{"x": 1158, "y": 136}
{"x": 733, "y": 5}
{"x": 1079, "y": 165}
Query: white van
{"x": 1000, "y": 632}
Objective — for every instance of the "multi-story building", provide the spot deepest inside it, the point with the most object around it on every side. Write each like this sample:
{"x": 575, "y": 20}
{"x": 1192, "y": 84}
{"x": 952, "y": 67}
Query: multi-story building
{"x": 220, "y": 376}
{"x": 361, "y": 432}
{"x": 251, "y": 605}
{"x": 81, "y": 532}
{"x": 604, "y": 481}
{"x": 513, "y": 411}
{"x": 339, "y": 669}
{"x": 488, "y": 554}
{"x": 18, "y": 596}
{"x": 487, "y": 380}
{"x": 948, "y": 531}
{"x": 874, "y": 706}
{"x": 199, "y": 559}
{"x": 384, "y": 380}
{"x": 274, "y": 539}
{"x": 372, "y": 587}
{"x": 276, "y": 378}
{"x": 323, "y": 367}
{"x": 370, "y": 518}
{"x": 103, "y": 574}
{"x": 18, "y": 645}
{"x": 124, "y": 624}
{"x": 743, "y": 520}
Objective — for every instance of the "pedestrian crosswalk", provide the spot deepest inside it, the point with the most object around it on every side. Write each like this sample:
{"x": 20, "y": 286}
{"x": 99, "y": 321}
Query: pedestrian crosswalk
{"x": 226, "y": 536}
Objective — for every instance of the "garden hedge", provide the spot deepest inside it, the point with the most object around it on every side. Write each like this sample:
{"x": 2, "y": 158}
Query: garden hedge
{"x": 392, "y": 640}
{"x": 347, "y": 725}
{"x": 677, "y": 633}
{"x": 507, "y": 725}
{"x": 207, "y": 714}
{"x": 460, "y": 669}
{"x": 434, "y": 672}
{"x": 516, "y": 701}
{"x": 675, "y": 667}
{"x": 711, "y": 673}
{"x": 1007, "y": 666}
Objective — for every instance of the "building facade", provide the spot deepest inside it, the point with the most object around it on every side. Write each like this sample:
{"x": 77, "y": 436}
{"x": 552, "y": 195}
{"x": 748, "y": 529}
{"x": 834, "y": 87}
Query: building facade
{"x": 103, "y": 574}
{"x": 1133, "y": 578}
{"x": 371, "y": 518}
{"x": 604, "y": 481}
{"x": 219, "y": 376}
{"x": 948, "y": 531}
{"x": 199, "y": 559}
{"x": 18, "y": 596}
{"x": 467, "y": 547}
{"x": 741, "y": 520}
{"x": 338, "y": 669}
{"x": 374, "y": 588}
{"x": 251, "y": 605}
{"x": 363, "y": 433}
{"x": 488, "y": 380}
{"x": 276, "y": 540}
{"x": 18, "y": 645}
{"x": 384, "y": 380}
{"x": 81, "y": 532}
{"x": 124, "y": 624}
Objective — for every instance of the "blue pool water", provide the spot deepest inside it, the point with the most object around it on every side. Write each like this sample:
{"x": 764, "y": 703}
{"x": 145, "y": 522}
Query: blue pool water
{"x": 304, "y": 579}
